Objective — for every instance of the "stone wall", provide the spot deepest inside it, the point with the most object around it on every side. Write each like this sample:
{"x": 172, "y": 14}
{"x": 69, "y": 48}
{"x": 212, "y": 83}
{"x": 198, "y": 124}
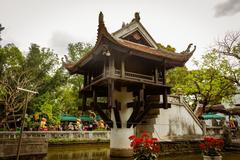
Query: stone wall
{"x": 37, "y": 147}
{"x": 175, "y": 123}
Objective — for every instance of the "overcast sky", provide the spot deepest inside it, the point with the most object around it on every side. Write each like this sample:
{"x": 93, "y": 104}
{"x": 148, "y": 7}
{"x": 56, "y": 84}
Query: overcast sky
{"x": 55, "y": 23}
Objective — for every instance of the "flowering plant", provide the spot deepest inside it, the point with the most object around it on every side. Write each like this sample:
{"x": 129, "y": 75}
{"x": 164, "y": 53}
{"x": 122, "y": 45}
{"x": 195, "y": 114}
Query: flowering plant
{"x": 211, "y": 146}
{"x": 144, "y": 148}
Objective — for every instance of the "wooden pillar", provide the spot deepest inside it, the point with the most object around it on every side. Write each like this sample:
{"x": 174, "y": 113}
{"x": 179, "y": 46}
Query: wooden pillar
{"x": 110, "y": 99}
{"x": 111, "y": 66}
{"x": 141, "y": 98}
{"x": 104, "y": 68}
{"x": 156, "y": 75}
{"x": 94, "y": 98}
{"x": 163, "y": 72}
{"x": 122, "y": 67}
{"x": 84, "y": 102}
{"x": 85, "y": 80}
{"x": 89, "y": 78}
{"x": 165, "y": 89}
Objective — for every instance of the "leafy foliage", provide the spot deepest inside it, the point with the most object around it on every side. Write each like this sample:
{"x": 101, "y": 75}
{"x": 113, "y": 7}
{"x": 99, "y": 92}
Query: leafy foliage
{"x": 33, "y": 72}
{"x": 168, "y": 47}
{"x": 206, "y": 85}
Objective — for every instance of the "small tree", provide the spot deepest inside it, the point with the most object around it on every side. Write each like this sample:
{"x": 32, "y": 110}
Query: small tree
{"x": 206, "y": 84}
{"x": 229, "y": 48}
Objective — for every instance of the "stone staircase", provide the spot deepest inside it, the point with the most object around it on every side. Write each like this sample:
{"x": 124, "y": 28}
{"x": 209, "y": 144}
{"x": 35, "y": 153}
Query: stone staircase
{"x": 150, "y": 120}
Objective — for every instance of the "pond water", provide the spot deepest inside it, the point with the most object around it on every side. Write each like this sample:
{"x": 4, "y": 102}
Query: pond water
{"x": 101, "y": 152}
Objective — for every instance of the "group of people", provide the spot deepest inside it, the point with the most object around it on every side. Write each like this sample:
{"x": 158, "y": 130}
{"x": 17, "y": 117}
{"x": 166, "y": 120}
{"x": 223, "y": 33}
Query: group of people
{"x": 83, "y": 125}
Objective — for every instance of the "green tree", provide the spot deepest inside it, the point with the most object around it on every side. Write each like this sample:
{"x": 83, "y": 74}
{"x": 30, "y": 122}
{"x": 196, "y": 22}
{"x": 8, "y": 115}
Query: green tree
{"x": 168, "y": 47}
{"x": 75, "y": 52}
{"x": 38, "y": 71}
{"x": 206, "y": 84}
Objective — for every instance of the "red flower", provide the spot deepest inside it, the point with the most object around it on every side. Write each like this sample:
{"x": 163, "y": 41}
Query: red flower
{"x": 211, "y": 146}
{"x": 202, "y": 146}
{"x": 144, "y": 146}
{"x": 145, "y": 135}
{"x": 131, "y": 137}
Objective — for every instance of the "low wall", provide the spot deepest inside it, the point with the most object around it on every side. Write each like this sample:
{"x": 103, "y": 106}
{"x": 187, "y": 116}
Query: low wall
{"x": 179, "y": 147}
{"x": 61, "y": 136}
{"x": 36, "y": 147}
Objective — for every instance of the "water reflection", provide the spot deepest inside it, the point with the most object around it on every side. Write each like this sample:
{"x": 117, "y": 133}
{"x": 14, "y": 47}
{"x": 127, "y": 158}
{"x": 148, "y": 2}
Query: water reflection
{"x": 78, "y": 152}
{"x": 101, "y": 152}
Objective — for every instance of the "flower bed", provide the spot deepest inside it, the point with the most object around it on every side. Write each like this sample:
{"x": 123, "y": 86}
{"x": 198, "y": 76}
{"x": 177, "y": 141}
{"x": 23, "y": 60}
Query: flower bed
{"x": 211, "y": 146}
{"x": 144, "y": 147}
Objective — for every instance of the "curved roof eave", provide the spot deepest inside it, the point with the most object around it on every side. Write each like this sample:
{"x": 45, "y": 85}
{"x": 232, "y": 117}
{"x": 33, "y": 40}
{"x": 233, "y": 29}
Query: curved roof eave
{"x": 182, "y": 57}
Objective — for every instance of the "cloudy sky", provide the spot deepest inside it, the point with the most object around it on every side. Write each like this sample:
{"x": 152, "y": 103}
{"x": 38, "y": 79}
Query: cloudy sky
{"x": 55, "y": 23}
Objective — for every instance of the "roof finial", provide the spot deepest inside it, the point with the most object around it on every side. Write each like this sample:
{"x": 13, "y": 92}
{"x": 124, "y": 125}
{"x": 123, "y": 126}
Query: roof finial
{"x": 123, "y": 24}
{"x": 137, "y": 16}
{"x": 100, "y": 18}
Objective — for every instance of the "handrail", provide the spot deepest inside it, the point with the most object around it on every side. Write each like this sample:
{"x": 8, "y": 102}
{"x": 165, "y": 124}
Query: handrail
{"x": 191, "y": 112}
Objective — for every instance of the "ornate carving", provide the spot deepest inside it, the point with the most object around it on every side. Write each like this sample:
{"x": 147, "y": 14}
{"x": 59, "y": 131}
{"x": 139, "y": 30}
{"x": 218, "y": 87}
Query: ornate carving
{"x": 100, "y": 18}
{"x": 123, "y": 24}
{"x": 188, "y": 51}
{"x": 137, "y": 16}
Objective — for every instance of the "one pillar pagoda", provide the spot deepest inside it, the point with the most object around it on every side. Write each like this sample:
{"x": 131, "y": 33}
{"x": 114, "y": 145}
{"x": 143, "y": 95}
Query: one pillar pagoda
{"x": 126, "y": 67}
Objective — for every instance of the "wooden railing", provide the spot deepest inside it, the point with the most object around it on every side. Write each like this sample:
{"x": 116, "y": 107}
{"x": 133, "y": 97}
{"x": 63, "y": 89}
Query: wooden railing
{"x": 131, "y": 76}
{"x": 97, "y": 77}
{"x": 136, "y": 76}
{"x": 93, "y": 135}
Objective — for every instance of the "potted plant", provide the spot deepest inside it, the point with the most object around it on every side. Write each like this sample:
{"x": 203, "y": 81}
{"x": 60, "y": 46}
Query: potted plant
{"x": 211, "y": 148}
{"x": 144, "y": 147}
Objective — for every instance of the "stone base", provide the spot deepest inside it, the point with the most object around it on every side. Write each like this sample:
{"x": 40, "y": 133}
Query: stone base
{"x": 212, "y": 157}
{"x": 117, "y": 152}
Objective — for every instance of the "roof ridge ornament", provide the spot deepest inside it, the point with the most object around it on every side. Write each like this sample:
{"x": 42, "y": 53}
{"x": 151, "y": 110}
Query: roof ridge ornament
{"x": 136, "y": 17}
{"x": 188, "y": 51}
{"x": 100, "y": 18}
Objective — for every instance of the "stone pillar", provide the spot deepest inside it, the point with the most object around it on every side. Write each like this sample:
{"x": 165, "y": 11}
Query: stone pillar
{"x": 119, "y": 142}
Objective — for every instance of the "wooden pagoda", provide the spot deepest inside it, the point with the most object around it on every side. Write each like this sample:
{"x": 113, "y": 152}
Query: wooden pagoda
{"x": 128, "y": 58}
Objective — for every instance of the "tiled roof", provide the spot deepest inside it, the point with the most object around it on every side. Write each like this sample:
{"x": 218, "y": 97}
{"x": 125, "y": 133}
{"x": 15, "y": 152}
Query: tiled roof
{"x": 182, "y": 57}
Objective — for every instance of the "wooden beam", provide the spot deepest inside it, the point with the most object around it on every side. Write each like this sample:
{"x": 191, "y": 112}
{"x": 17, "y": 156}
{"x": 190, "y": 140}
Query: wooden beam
{"x": 136, "y": 109}
{"x": 117, "y": 115}
{"x": 131, "y": 104}
{"x": 105, "y": 118}
{"x": 142, "y": 114}
{"x": 161, "y": 105}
